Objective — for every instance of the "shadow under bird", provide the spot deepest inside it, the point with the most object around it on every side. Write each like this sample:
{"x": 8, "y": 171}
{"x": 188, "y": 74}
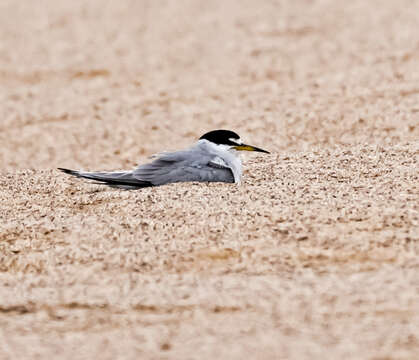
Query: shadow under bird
{"x": 214, "y": 158}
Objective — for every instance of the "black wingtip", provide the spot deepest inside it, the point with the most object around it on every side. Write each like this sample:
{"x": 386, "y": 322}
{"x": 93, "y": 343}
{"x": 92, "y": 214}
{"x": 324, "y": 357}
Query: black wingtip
{"x": 98, "y": 179}
{"x": 68, "y": 171}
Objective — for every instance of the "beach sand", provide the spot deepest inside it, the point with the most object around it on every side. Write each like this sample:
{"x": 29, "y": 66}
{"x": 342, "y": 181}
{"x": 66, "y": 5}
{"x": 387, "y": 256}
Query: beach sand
{"x": 313, "y": 256}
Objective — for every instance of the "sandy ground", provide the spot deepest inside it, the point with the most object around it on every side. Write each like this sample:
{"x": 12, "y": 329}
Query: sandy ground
{"x": 314, "y": 256}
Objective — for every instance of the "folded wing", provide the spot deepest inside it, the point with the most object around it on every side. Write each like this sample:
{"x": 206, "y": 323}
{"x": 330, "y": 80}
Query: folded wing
{"x": 117, "y": 179}
{"x": 182, "y": 166}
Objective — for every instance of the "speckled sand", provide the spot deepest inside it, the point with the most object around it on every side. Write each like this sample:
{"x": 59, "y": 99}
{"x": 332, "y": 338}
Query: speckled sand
{"x": 314, "y": 256}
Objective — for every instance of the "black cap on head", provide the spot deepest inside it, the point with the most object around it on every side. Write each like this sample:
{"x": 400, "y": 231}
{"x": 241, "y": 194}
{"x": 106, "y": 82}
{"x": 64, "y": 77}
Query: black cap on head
{"x": 221, "y": 137}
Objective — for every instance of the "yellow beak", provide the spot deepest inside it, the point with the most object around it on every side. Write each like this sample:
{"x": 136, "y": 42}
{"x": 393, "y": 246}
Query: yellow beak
{"x": 245, "y": 147}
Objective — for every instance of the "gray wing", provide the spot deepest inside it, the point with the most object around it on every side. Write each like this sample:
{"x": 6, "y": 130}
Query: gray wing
{"x": 182, "y": 166}
{"x": 117, "y": 179}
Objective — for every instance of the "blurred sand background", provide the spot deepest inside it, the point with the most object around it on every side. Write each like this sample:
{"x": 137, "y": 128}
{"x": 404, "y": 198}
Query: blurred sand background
{"x": 314, "y": 256}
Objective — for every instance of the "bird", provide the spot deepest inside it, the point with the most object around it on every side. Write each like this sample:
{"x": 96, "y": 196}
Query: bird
{"x": 213, "y": 158}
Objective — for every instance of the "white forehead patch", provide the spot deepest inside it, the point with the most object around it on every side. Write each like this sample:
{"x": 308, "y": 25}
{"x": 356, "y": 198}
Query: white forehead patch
{"x": 237, "y": 141}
